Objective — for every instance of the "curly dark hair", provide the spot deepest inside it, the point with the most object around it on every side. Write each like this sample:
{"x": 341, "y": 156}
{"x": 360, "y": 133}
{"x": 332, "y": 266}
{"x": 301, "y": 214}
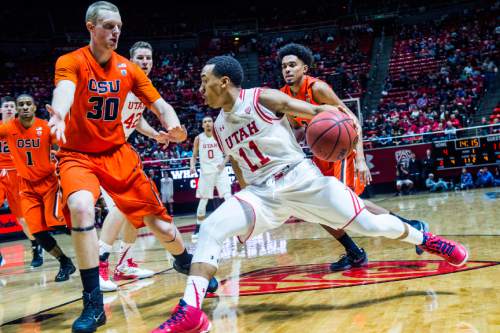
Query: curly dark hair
{"x": 227, "y": 66}
{"x": 298, "y": 50}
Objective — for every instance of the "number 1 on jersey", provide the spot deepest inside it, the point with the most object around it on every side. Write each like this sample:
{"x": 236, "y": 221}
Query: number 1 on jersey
{"x": 263, "y": 160}
{"x": 29, "y": 158}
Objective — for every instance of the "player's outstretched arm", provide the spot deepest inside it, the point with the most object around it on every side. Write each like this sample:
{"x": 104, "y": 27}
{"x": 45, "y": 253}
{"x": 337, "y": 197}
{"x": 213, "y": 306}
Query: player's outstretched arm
{"x": 169, "y": 120}
{"x": 278, "y": 101}
{"x": 62, "y": 100}
{"x": 324, "y": 94}
{"x": 146, "y": 129}
{"x": 194, "y": 157}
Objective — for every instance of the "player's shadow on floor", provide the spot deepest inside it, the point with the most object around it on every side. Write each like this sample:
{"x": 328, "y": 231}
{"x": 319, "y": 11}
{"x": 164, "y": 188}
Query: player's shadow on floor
{"x": 275, "y": 312}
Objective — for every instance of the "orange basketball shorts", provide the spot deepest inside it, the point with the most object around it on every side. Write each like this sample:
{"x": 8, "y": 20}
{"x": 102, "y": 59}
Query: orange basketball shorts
{"x": 9, "y": 188}
{"x": 120, "y": 173}
{"x": 342, "y": 170}
{"x": 41, "y": 203}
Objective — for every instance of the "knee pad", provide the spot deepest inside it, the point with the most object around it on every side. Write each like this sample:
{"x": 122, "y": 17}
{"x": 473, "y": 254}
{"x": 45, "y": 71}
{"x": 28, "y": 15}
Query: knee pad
{"x": 202, "y": 207}
{"x": 45, "y": 240}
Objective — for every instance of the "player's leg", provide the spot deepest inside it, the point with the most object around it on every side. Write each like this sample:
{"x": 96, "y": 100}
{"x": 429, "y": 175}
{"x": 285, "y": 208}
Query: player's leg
{"x": 201, "y": 212}
{"x": 330, "y": 202}
{"x": 205, "y": 191}
{"x": 127, "y": 268}
{"x": 232, "y": 218}
{"x": 10, "y": 183}
{"x": 85, "y": 242}
{"x": 354, "y": 255}
{"x": 113, "y": 223}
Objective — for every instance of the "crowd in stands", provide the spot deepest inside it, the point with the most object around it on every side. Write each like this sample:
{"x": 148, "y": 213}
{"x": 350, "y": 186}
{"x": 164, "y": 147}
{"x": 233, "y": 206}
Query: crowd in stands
{"x": 438, "y": 72}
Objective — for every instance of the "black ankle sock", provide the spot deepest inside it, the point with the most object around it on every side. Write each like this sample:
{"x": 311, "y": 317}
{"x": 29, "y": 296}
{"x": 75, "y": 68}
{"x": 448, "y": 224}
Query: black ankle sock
{"x": 63, "y": 259}
{"x": 90, "y": 279}
{"x": 34, "y": 243}
{"x": 349, "y": 245}
{"x": 184, "y": 258}
{"x": 401, "y": 218}
{"x": 104, "y": 256}
{"x": 197, "y": 230}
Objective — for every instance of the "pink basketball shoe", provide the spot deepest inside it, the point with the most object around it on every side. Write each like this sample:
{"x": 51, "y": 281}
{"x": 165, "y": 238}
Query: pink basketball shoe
{"x": 454, "y": 253}
{"x": 185, "y": 319}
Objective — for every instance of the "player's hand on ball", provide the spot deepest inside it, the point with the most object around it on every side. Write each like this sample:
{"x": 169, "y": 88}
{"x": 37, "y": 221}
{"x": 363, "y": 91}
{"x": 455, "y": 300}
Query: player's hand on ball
{"x": 363, "y": 171}
{"x": 56, "y": 124}
{"x": 177, "y": 134}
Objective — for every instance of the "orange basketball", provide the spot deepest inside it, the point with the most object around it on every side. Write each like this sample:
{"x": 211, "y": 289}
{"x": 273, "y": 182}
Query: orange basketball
{"x": 331, "y": 135}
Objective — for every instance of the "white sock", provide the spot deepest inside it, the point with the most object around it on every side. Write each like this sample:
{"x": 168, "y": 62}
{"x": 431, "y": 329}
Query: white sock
{"x": 196, "y": 287}
{"x": 104, "y": 248}
{"x": 414, "y": 236}
{"x": 125, "y": 252}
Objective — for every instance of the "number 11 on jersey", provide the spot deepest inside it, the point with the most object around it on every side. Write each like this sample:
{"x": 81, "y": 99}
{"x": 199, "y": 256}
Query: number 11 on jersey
{"x": 262, "y": 160}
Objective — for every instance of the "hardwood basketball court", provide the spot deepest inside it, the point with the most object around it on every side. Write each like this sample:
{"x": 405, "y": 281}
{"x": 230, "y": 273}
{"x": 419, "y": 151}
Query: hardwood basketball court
{"x": 280, "y": 282}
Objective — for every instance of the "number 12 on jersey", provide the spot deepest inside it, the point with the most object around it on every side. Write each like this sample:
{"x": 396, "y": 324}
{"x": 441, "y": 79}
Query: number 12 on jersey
{"x": 259, "y": 160}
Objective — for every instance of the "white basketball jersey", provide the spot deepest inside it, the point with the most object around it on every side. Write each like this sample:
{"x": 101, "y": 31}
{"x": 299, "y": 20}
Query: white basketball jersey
{"x": 131, "y": 113}
{"x": 256, "y": 138}
{"x": 210, "y": 154}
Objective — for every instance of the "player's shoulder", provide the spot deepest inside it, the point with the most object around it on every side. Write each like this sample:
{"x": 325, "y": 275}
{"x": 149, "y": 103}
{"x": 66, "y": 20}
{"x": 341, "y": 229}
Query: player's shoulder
{"x": 41, "y": 122}
{"x": 77, "y": 55}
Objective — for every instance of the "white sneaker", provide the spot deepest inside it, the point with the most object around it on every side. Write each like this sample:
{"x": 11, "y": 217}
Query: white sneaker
{"x": 129, "y": 270}
{"x": 105, "y": 284}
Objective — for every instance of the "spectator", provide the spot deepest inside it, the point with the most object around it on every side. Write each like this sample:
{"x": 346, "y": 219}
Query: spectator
{"x": 434, "y": 186}
{"x": 384, "y": 139}
{"x": 466, "y": 181}
{"x": 414, "y": 168}
{"x": 484, "y": 178}
{"x": 450, "y": 132}
{"x": 428, "y": 164}
{"x": 496, "y": 181}
{"x": 167, "y": 192}
{"x": 403, "y": 178}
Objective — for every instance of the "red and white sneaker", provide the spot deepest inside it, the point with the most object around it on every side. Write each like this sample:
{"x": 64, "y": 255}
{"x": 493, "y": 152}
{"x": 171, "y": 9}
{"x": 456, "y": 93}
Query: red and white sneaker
{"x": 185, "y": 319}
{"x": 453, "y": 252}
{"x": 105, "y": 284}
{"x": 129, "y": 270}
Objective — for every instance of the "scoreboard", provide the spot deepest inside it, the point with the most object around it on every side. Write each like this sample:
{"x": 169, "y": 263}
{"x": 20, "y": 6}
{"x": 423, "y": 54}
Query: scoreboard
{"x": 467, "y": 152}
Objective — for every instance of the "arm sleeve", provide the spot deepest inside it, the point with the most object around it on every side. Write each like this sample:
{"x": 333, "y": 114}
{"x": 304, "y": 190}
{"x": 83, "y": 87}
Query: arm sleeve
{"x": 66, "y": 69}
{"x": 143, "y": 88}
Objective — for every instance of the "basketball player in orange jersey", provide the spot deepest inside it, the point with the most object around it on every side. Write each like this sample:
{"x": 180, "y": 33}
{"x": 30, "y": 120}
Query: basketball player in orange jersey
{"x": 295, "y": 60}
{"x": 141, "y": 53}
{"x": 92, "y": 84}
{"x": 30, "y": 142}
{"x": 9, "y": 187}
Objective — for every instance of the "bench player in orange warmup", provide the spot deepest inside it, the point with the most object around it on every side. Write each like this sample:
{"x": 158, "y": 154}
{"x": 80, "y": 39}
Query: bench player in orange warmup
{"x": 92, "y": 84}
{"x": 30, "y": 142}
{"x": 295, "y": 60}
{"x": 9, "y": 187}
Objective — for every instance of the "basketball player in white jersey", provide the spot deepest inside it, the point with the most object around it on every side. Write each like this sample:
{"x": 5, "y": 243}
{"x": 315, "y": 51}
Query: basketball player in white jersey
{"x": 141, "y": 53}
{"x": 280, "y": 182}
{"x": 212, "y": 171}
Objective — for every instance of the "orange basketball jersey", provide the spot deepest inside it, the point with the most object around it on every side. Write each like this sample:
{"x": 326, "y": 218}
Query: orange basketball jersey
{"x": 94, "y": 123}
{"x": 30, "y": 148}
{"x": 342, "y": 170}
{"x": 6, "y": 161}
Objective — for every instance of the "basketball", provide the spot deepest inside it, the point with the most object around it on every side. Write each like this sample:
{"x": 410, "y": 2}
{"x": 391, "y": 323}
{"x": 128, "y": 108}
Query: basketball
{"x": 331, "y": 135}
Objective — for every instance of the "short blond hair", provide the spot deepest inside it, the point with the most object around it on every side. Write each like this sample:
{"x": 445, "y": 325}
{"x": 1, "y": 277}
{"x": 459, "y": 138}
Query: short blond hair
{"x": 140, "y": 45}
{"x": 92, "y": 14}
